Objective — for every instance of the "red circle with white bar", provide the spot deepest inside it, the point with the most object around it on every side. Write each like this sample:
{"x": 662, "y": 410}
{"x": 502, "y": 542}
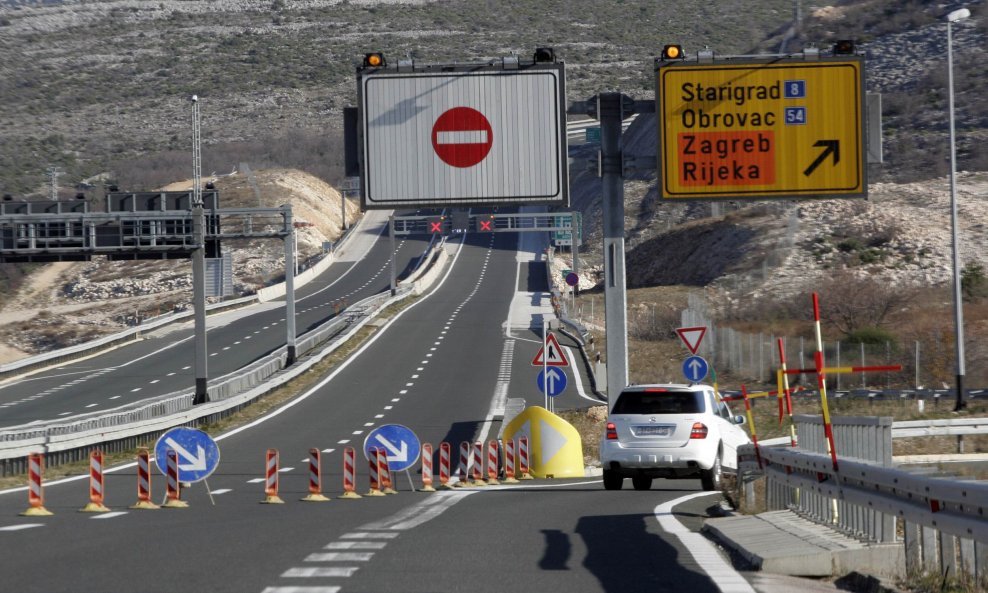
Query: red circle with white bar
{"x": 462, "y": 137}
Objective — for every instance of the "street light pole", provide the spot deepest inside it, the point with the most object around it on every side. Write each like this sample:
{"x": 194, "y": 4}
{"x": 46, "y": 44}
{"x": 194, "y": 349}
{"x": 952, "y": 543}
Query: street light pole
{"x": 953, "y": 17}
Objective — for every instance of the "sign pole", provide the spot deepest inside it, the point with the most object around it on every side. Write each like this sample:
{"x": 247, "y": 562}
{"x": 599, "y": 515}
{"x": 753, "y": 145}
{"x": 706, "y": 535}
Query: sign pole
{"x": 391, "y": 232}
{"x": 290, "y": 239}
{"x": 610, "y": 113}
{"x": 545, "y": 365}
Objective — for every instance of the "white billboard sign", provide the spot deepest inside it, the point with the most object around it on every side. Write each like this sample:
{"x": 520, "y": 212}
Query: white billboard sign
{"x": 480, "y": 136}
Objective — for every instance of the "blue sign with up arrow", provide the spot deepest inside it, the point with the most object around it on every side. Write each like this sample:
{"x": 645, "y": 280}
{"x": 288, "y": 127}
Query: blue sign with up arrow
{"x": 198, "y": 454}
{"x": 552, "y": 381}
{"x": 399, "y": 443}
{"x": 695, "y": 368}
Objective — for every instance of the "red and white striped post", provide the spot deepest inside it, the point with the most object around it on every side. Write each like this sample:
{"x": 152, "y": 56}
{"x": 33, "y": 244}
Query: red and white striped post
{"x": 444, "y": 465}
{"x": 271, "y": 466}
{"x": 375, "y": 473}
{"x": 144, "y": 481}
{"x": 35, "y": 491}
{"x": 787, "y": 393}
{"x": 349, "y": 474}
{"x": 464, "y": 468}
{"x": 492, "y": 463}
{"x": 828, "y": 428}
{"x": 510, "y": 462}
{"x": 315, "y": 477}
{"x": 173, "y": 497}
{"x": 427, "y": 468}
{"x": 477, "y": 472}
{"x": 95, "y": 504}
{"x": 382, "y": 462}
{"x": 523, "y": 458}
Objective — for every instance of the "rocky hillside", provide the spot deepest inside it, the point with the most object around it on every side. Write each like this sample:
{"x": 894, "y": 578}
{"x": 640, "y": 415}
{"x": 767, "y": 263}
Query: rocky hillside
{"x": 65, "y": 303}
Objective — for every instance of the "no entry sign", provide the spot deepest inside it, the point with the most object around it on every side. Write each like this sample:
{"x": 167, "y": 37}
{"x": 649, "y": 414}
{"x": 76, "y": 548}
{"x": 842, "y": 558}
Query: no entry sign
{"x": 462, "y": 137}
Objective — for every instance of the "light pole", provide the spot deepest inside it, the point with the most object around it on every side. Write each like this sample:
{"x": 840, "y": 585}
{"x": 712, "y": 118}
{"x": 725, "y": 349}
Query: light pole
{"x": 954, "y": 17}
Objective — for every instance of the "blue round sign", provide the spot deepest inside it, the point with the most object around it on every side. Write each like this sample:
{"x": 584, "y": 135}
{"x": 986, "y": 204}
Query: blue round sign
{"x": 552, "y": 381}
{"x": 695, "y": 368}
{"x": 399, "y": 443}
{"x": 198, "y": 454}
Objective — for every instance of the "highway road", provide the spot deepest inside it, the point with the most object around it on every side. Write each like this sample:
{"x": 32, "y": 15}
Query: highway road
{"x": 163, "y": 362}
{"x": 443, "y": 367}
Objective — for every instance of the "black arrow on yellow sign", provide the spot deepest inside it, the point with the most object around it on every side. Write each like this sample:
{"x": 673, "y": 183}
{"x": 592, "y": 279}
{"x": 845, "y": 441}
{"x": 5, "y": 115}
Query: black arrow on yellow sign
{"x": 830, "y": 147}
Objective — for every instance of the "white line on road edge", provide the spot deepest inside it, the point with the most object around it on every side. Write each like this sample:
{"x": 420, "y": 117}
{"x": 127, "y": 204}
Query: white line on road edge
{"x": 706, "y": 555}
{"x": 420, "y": 513}
{"x": 579, "y": 378}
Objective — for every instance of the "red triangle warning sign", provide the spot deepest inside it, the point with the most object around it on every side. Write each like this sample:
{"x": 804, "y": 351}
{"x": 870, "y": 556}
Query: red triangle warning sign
{"x": 555, "y": 356}
{"x": 691, "y": 336}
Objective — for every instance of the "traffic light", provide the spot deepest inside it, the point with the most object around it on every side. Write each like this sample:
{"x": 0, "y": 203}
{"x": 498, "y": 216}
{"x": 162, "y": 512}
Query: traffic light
{"x": 374, "y": 60}
{"x": 544, "y": 54}
{"x": 435, "y": 224}
{"x": 844, "y": 47}
{"x": 673, "y": 52}
{"x": 486, "y": 224}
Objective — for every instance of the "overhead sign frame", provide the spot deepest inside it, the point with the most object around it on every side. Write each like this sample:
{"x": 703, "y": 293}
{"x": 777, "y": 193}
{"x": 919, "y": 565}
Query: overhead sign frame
{"x": 441, "y": 135}
{"x": 761, "y": 128}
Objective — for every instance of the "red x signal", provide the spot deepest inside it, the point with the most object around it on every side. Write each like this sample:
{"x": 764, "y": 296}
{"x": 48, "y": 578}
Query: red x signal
{"x": 485, "y": 225}
{"x": 435, "y": 226}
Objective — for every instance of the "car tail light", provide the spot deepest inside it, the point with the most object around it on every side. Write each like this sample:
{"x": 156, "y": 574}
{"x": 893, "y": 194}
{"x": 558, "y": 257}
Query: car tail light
{"x": 611, "y": 431}
{"x": 699, "y": 431}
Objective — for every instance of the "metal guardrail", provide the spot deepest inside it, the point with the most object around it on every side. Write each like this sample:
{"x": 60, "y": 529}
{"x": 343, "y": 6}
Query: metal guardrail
{"x": 943, "y": 520}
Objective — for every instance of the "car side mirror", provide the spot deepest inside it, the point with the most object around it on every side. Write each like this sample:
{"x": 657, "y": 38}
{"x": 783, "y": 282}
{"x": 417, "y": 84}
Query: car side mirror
{"x": 740, "y": 419}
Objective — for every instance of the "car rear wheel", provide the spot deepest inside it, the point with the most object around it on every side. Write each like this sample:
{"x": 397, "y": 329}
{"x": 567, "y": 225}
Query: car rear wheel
{"x": 612, "y": 480}
{"x": 712, "y": 478}
{"x": 641, "y": 482}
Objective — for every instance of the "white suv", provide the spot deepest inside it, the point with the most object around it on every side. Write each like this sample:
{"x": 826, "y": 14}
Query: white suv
{"x": 669, "y": 431}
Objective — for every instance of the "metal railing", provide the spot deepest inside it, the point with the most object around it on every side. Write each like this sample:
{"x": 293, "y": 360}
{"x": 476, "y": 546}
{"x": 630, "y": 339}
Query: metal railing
{"x": 943, "y": 519}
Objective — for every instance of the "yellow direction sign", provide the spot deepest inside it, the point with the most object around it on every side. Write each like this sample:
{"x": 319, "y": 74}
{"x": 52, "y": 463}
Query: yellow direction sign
{"x": 761, "y": 129}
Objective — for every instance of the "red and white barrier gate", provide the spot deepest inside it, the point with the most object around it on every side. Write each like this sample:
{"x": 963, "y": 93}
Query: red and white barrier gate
{"x": 478, "y": 464}
{"x": 349, "y": 474}
{"x": 173, "y": 497}
{"x": 387, "y": 485}
{"x": 95, "y": 504}
{"x": 510, "y": 462}
{"x": 144, "y": 481}
{"x": 427, "y": 468}
{"x": 444, "y": 461}
{"x": 35, "y": 491}
{"x": 492, "y": 462}
{"x": 375, "y": 473}
{"x": 523, "y": 458}
{"x": 271, "y": 465}
{"x": 315, "y": 477}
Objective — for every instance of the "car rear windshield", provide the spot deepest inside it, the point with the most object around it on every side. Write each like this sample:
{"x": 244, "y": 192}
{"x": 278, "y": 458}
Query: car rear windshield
{"x": 659, "y": 402}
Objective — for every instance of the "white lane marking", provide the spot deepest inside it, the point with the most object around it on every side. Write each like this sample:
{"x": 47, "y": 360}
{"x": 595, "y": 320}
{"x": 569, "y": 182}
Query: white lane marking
{"x": 62, "y": 414}
{"x": 301, "y": 590}
{"x": 358, "y": 432}
{"x": 340, "y": 557}
{"x": 186, "y": 368}
{"x": 22, "y": 526}
{"x": 343, "y": 442}
{"x": 379, "y": 416}
{"x": 92, "y": 405}
{"x": 255, "y": 481}
{"x": 396, "y": 399}
{"x": 423, "y": 512}
{"x": 356, "y": 545}
{"x": 369, "y": 424}
{"x": 283, "y": 470}
{"x": 332, "y": 571}
{"x": 402, "y": 392}
{"x": 109, "y": 515}
{"x": 369, "y": 535}
{"x": 388, "y": 407}
{"x": 115, "y": 397}
{"x": 155, "y": 381}
{"x": 706, "y": 555}
{"x": 135, "y": 390}
{"x": 170, "y": 375}
{"x": 222, "y": 490}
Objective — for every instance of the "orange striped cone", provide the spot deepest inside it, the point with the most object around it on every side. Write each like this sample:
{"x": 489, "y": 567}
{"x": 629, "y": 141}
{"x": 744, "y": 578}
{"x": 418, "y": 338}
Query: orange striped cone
{"x": 315, "y": 478}
{"x": 144, "y": 481}
{"x": 271, "y": 478}
{"x": 349, "y": 474}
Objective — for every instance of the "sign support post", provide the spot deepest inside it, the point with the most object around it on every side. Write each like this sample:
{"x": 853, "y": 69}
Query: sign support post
{"x": 290, "y": 239}
{"x": 610, "y": 112}
{"x": 394, "y": 272}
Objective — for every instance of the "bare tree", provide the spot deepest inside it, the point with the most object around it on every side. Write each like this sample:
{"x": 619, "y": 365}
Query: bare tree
{"x": 850, "y": 303}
